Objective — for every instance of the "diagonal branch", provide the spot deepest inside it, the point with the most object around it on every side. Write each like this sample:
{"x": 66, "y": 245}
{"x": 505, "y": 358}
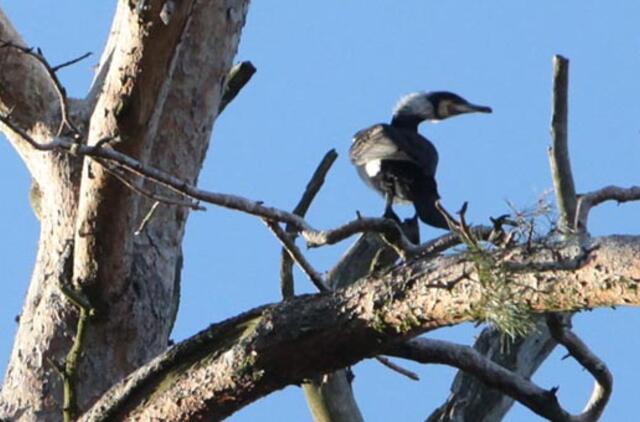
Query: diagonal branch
{"x": 312, "y": 189}
{"x": 71, "y": 62}
{"x": 295, "y": 254}
{"x": 115, "y": 172}
{"x": 397, "y": 368}
{"x": 249, "y": 356}
{"x": 313, "y": 237}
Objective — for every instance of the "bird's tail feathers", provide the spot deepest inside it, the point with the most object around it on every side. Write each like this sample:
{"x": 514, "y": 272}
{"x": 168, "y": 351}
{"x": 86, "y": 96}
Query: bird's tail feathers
{"x": 425, "y": 196}
{"x": 428, "y": 213}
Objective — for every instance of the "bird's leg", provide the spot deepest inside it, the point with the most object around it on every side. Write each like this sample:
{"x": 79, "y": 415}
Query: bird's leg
{"x": 388, "y": 210}
{"x": 411, "y": 230}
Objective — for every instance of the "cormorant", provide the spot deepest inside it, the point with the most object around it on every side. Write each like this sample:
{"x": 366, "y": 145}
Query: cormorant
{"x": 395, "y": 160}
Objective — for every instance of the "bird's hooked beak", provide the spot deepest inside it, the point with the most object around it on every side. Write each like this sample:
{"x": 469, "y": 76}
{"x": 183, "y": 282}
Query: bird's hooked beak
{"x": 461, "y": 108}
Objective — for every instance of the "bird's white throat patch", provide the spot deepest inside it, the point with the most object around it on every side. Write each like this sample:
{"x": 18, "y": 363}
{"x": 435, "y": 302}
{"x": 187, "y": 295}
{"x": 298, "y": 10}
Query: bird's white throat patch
{"x": 372, "y": 168}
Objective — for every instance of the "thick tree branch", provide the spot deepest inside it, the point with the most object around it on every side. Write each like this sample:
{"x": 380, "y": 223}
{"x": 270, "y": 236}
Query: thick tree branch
{"x": 559, "y": 150}
{"x": 128, "y": 109}
{"x": 118, "y": 24}
{"x": 470, "y": 398}
{"x": 308, "y": 335}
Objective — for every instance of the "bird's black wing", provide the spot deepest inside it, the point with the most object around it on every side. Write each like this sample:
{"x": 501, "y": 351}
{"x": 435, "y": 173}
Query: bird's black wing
{"x": 418, "y": 148}
{"x": 375, "y": 143}
{"x": 384, "y": 142}
{"x": 409, "y": 161}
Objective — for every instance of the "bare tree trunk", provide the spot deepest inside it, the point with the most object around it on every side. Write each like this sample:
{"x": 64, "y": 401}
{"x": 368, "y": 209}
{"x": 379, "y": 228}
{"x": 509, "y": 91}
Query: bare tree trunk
{"x": 157, "y": 92}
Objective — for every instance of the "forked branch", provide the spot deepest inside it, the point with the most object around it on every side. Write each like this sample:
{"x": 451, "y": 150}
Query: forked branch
{"x": 65, "y": 122}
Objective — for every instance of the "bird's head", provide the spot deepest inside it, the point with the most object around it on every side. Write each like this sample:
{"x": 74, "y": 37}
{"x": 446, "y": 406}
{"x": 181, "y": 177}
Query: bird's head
{"x": 433, "y": 106}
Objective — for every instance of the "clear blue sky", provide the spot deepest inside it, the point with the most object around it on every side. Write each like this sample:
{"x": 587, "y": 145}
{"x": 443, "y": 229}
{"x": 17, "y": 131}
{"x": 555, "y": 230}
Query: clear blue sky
{"x": 327, "y": 69}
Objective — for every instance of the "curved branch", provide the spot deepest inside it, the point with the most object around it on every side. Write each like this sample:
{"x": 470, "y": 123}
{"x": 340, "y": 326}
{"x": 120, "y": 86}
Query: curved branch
{"x": 65, "y": 122}
{"x": 471, "y": 398}
{"x": 561, "y": 332}
{"x": 249, "y": 356}
{"x": 610, "y": 193}
{"x": 28, "y": 94}
{"x": 541, "y": 401}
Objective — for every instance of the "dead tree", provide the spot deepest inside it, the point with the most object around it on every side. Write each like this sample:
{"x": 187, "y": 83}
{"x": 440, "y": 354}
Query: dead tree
{"x": 113, "y": 182}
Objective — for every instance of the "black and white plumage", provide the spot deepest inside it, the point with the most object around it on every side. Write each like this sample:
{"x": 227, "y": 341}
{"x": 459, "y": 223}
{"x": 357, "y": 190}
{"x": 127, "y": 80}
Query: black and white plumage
{"x": 395, "y": 160}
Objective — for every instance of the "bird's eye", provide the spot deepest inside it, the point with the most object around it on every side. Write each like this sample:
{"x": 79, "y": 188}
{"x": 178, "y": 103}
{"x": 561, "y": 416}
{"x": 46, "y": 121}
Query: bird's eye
{"x": 445, "y": 109}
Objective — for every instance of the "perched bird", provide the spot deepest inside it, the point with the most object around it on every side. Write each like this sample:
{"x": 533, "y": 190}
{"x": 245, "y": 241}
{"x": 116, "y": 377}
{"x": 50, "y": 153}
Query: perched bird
{"x": 395, "y": 160}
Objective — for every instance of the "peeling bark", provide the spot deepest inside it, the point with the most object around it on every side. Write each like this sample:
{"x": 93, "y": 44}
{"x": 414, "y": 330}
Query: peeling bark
{"x": 236, "y": 362}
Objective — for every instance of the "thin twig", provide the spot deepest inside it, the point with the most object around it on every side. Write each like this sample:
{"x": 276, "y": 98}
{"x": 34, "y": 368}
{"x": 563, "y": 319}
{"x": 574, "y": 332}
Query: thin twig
{"x": 70, "y": 370}
{"x": 71, "y": 62}
{"x": 147, "y": 218}
{"x": 312, "y": 189}
{"x": 315, "y": 238}
{"x": 397, "y": 368}
{"x": 62, "y": 95}
{"x": 315, "y": 183}
{"x": 450, "y": 240}
{"x": 115, "y": 172}
{"x": 559, "y": 150}
{"x": 297, "y": 256}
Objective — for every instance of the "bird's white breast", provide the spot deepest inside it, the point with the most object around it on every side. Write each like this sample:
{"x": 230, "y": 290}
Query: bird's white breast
{"x": 372, "y": 167}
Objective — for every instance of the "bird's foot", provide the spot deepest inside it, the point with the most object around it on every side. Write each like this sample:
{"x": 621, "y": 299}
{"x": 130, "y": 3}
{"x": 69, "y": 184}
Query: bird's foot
{"x": 389, "y": 213}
